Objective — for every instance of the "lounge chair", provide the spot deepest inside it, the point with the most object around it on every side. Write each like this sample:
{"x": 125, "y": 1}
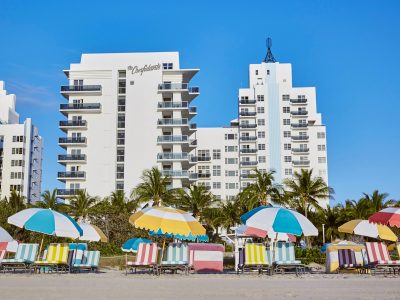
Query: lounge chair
{"x": 379, "y": 259}
{"x": 284, "y": 258}
{"x": 56, "y": 259}
{"x": 90, "y": 261}
{"x": 24, "y": 258}
{"x": 3, "y": 251}
{"x": 255, "y": 258}
{"x": 177, "y": 258}
{"x": 75, "y": 255}
{"x": 146, "y": 258}
{"x": 348, "y": 260}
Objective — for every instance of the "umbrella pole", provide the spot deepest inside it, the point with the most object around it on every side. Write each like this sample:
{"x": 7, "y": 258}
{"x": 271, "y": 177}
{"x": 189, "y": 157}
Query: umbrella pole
{"x": 163, "y": 246}
{"x": 41, "y": 246}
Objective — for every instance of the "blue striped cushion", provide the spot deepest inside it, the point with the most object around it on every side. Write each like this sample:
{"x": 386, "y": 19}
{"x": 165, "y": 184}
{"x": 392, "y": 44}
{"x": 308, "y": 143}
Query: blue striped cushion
{"x": 26, "y": 252}
{"x": 177, "y": 253}
{"x": 90, "y": 259}
{"x": 284, "y": 253}
{"x": 287, "y": 262}
{"x": 175, "y": 262}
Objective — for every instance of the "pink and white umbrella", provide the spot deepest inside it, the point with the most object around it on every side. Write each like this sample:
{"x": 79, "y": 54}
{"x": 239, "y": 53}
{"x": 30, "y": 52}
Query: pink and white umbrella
{"x": 388, "y": 216}
{"x": 5, "y": 236}
{"x": 255, "y": 232}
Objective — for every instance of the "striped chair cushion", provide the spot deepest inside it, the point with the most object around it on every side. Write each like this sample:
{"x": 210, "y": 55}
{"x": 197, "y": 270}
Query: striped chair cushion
{"x": 76, "y": 256}
{"x": 177, "y": 253}
{"x": 56, "y": 254}
{"x": 146, "y": 255}
{"x": 284, "y": 253}
{"x": 255, "y": 254}
{"x": 347, "y": 258}
{"x": 2, "y": 255}
{"x": 26, "y": 253}
{"x": 287, "y": 262}
{"x": 377, "y": 253}
{"x": 90, "y": 259}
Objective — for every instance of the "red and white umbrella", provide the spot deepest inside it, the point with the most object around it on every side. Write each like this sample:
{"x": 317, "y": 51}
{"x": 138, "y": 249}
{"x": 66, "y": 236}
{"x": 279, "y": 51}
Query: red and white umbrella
{"x": 388, "y": 216}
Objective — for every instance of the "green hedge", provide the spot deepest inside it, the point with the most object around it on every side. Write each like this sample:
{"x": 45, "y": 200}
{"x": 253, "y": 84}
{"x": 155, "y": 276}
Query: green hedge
{"x": 310, "y": 255}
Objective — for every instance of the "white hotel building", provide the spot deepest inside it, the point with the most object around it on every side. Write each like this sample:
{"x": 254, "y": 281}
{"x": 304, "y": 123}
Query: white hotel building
{"x": 20, "y": 152}
{"x": 127, "y": 112}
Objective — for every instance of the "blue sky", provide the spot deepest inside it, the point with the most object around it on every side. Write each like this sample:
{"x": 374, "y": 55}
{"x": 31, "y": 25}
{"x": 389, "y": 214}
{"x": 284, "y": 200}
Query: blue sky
{"x": 347, "y": 49}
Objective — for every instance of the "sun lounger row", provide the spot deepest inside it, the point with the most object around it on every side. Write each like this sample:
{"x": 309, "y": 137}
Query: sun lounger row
{"x": 56, "y": 258}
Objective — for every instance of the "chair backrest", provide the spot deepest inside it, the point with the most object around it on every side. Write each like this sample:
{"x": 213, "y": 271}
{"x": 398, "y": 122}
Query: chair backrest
{"x": 398, "y": 249}
{"x": 76, "y": 258}
{"x": 377, "y": 252}
{"x": 91, "y": 258}
{"x": 58, "y": 253}
{"x": 284, "y": 252}
{"x": 2, "y": 255}
{"x": 255, "y": 254}
{"x": 346, "y": 257}
{"x": 147, "y": 254}
{"x": 27, "y": 252}
{"x": 177, "y": 252}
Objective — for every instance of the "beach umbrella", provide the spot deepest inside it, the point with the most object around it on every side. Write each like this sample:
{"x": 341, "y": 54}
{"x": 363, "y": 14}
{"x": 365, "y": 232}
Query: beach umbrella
{"x": 5, "y": 236}
{"x": 259, "y": 233}
{"x": 92, "y": 233}
{"x": 279, "y": 220}
{"x": 365, "y": 228}
{"x": 389, "y": 216}
{"x": 132, "y": 245}
{"x": 46, "y": 221}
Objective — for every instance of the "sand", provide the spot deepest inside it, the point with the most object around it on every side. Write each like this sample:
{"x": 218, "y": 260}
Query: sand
{"x": 115, "y": 285}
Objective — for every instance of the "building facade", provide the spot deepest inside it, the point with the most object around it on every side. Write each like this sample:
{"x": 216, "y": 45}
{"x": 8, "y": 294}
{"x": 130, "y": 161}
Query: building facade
{"x": 21, "y": 149}
{"x": 127, "y": 112}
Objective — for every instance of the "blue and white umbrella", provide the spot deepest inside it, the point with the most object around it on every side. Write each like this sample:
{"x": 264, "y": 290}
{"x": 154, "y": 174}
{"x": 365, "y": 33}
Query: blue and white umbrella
{"x": 132, "y": 245}
{"x": 46, "y": 221}
{"x": 279, "y": 220}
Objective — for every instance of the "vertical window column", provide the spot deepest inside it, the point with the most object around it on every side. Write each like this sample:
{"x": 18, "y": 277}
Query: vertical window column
{"x": 120, "y": 142}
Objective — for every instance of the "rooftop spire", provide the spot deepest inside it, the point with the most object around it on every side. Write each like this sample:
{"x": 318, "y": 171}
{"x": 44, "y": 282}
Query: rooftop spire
{"x": 270, "y": 57}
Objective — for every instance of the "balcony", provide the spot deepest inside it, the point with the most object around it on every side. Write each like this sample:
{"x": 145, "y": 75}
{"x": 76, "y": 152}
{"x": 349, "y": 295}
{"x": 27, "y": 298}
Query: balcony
{"x": 248, "y": 113}
{"x": 300, "y": 150}
{"x": 172, "y": 156}
{"x": 248, "y": 163}
{"x": 193, "y": 126}
{"x": 300, "y": 138}
{"x": 172, "y": 122}
{"x": 193, "y": 176}
{"x": 74, "y": 158}
{"x": 80, "y": 90}
{"x": 203, "y": 158}
{"x": 299, "y": 126}
{"x": 80, "y": 108}
{"x": 172, "y": 139}
{"x": 248, "y": 138}
{"x": 247, "y": 176}
{"x": 301, "y": 163}
{"x": 298, "y": 101}
{"x": 72, "y": 141}
{"x": 173, "y": 173}
{"x": 73, "y": 124}
{"x": 299, "y": 113}
{"x": 248, "y": 126}
{"x": 173, "y": 105}
{"x": 247, "y": 102}
{"x": 178, "y": 87}
{"x": 248, "y": 151}
{"x": 62, "y": 176}
{"x": 67, "y": 192}
{"x": 203, "y": 175}
{"x": 192, "y": 110}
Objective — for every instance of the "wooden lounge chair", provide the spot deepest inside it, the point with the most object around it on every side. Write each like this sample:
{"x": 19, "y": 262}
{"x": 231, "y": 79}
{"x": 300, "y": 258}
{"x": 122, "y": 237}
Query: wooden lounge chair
{"x": 284, "y": 258}
{"x": 379, "y": 259}
{"x": 146, "y": 258}
{"x": 177, "y": 258}
{"x": 56, "y": 259}
{"x": 90, "y": 261}
{"x": 24, "y": 258}
{"x": 255, "y": 258}
{"x": 348, "y": 260}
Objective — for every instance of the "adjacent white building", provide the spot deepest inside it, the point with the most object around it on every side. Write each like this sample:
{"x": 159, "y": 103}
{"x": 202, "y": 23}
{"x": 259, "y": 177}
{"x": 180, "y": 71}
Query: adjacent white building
{"x": 126, "y": 112}
{"x": 20, "y": 152}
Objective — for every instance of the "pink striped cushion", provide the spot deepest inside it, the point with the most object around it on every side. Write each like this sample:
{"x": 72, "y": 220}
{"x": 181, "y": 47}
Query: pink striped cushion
{"x": 146, "y": 255}
{"x": 377, "y": 252}
{"x": 2, "y": 254}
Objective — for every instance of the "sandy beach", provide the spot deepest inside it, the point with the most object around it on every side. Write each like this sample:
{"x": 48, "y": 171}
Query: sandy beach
{"x": 115, "y": 285}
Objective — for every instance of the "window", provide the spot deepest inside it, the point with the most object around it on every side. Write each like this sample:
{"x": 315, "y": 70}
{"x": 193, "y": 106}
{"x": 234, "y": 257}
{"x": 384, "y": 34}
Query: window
{"x": 244, "y": 98}
{"x": 321, "y": 135}
{"x": 231, "y": 148}
{"x": 288, "y": 171}
{"x": 321, "y": 160}
{"x": 17, "y": 151}
{"x": 322, "y": 172}
{"x": 286, "y": 134}
{"x": 285, "y": 97}
{"x": 261, "y": 159}
{"x": 287, "y": 146}
{"x": 286, "y": 109}
{"x": 121, "y": 138}
{"x": 321, "y": 147}
{"x": 261, "y": 146}
{"x": 231, "y": 173}
{"x": 230, "y": 136}
{"x": 167, "y": 66}
{"x": 260, "y": 110}
{"x": 261, "y": 122}
{"x": 288, "y": 158}
{"x": 203, "y": 155}
{"x": 261, "y": 134}
{"x": 231, "y": 161}
{"x": 121, "y": 120}
{"x": 120, "y": 171}
{"x": 216, "y": 154}
{"x": 256, "y": 72}
{"x": 231, "y": 185}
{"x": 216, "y": 185}
{"x": 204, "y": 171}
{"x": 267, "y": 72}
{"x": 17, "y": 163}
{"x": 18, "y": 138}
{"x": 120, "y": 155}
{"x": 260, "y": 98}
{"x": 286, "y": 121}
{"x": 216, "y": 170}
{"x": 119, "y": 186}
{"x": 121, "y": 103}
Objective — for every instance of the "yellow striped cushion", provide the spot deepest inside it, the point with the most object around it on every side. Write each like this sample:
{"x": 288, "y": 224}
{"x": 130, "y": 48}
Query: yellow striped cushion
{"x": 255, "y": 254}
{"x": 56, "y": 254}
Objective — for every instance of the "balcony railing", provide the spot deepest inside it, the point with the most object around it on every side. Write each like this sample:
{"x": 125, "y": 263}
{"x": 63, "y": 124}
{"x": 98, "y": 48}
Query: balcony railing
{"x": 170, "y": 104}
{"x": 301, "y": 163}
{"x": 193, "y": 176}
{"x": 300, "y": 150}
{"x": 81, "y": 88}
{"x": 298, "y": 101}
{"x": 299, "y": 113}
{"x": 245, "y": 150}
{"x": 67, "y": 192}
{"x": 178, "y": 86}
{"x": 172, "y": 121}
{"x": 247, "y": 176}
{"x": 248, "y": 113}
{"x": 203, "y": 175}
{"x": 71, "y": 174}
{"x": 173, "y": 173}
{"x": 300, "y": 137}
{"x": 172, "y": 139}
{"x": 72, "y": 157}
{"x": 203, "y": 158}
{"x": 298, "y": 125}
{"x": 193, "y": 110}
{"x": 248, "y": 138}
{"x": 72, "y": 140}
{"x": 193, "y": 126}
{"x": 194, "y": 90}
{"x": 80, "y": 106}
{"x": 247, "y": 101}
{"x": 248, "y": 125}
{"x": 172, "y": 156}
{"x": 248, "y": 163}
{"x": 73, "y": 123}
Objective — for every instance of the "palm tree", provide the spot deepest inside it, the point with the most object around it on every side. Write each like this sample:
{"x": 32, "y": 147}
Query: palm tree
{"x": 121, "y": 203}
{"x": 153, "y": 187}
{"x": 355, "y": 210}
{"x": 81, "y": 205}
{"x": 331, "y": 217}
{"x": 262, "y": 191}
{"x": 377, "y": 201}
{"x": 16, "y": 201}
{"x": 229, "y": 213}
{"x": 194, "y": 199}
{"x": 49, "y": 200}
{"x": 305, "y": 192}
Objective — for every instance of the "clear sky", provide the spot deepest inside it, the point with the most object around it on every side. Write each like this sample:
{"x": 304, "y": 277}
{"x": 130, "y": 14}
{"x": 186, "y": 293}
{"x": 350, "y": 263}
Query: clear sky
{"x": 347, "y": 49}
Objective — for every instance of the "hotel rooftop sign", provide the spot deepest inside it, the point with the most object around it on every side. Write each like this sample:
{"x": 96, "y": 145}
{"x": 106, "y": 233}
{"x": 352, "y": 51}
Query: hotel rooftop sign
{"x": 145, "y": 68}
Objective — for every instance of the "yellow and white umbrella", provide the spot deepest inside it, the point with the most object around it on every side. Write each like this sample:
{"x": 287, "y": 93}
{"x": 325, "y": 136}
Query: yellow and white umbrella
{"x": 92, "y": 233}
{"x": 365, "y": 228}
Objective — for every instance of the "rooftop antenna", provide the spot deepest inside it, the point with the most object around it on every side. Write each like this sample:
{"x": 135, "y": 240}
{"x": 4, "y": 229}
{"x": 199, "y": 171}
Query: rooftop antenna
{"x": 270, "y": 57}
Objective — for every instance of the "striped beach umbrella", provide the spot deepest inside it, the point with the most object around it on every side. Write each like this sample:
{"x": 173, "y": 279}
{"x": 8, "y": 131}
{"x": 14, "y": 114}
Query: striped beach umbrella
{"x": 388, "y": 216}
{"x": 132, "y": 245}
{"x": 5, "y": 236}
{"x": 255, "y": 232}
{"x": 92, "y": 233}
{"x": 279, "y": 220}
{"x": 365, "y": 228}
